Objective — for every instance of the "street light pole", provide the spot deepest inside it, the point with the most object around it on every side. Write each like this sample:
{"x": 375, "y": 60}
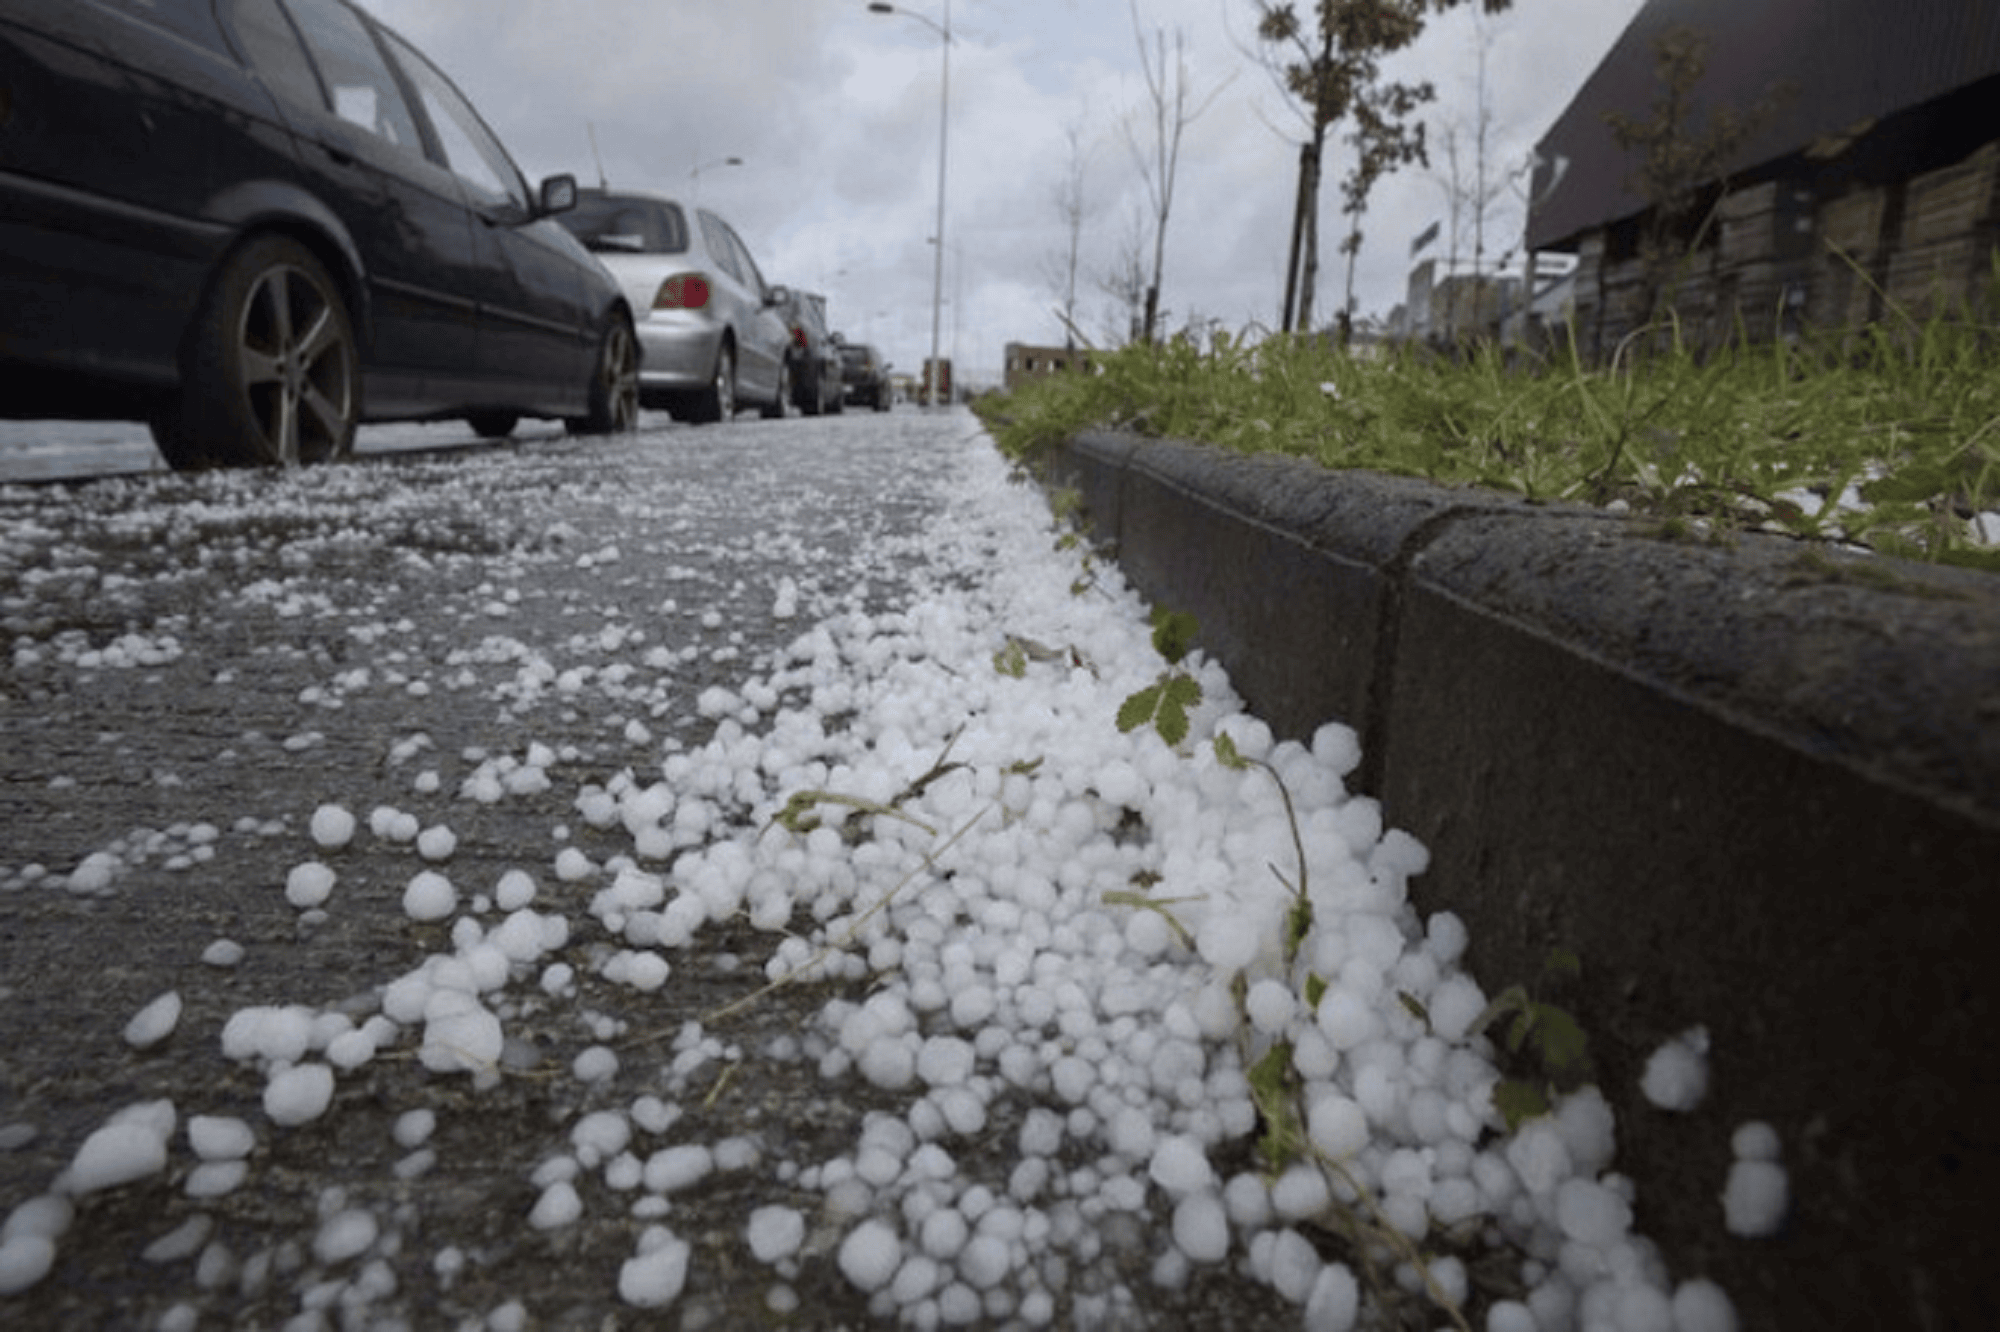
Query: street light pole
{"x": 944, "y": 140}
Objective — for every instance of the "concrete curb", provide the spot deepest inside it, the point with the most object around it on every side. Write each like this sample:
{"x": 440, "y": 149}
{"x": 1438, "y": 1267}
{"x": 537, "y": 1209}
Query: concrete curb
{"x": 1752, "y": 786}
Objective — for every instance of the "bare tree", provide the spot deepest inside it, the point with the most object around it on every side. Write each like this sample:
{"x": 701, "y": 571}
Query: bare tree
{"x": 1071, "y": 204}
{"x": 1125, "y": 283}
{"x": 1168, "y": 91}
{"x": 1473, "y": 189}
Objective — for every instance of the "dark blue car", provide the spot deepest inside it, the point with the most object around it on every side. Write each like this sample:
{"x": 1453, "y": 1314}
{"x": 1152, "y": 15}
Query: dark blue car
{"x": 254, "y": 224}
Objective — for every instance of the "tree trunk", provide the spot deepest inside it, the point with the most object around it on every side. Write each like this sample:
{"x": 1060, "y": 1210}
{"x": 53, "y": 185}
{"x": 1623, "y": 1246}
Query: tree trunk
{"x": 1298, "y": 239}
{"x": 1309, "y": 280}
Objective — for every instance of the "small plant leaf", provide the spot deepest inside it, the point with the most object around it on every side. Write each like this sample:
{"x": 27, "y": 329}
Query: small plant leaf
{"x": 1562, "y": 962}
{"x": 1011, "y": 660}
{"x": 1227, "y": 755}
{"x": 1414, "y": 1007}
{"x": 1270, "y": 1081}
{"x": 1512, "y": 999}
{"x": 1298, "y": 924}
{"x": 1174, "y": 633}
{"x": 1139, "y": 709}
{"x": 1519, "y": 1101}
{"x": 1561, "y": 1040}
{"x": 1178, "y": 693}
{"x": 1315, "y": 991}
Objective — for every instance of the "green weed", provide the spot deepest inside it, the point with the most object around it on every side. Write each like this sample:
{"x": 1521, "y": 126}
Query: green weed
{"x": 1888, "y": 440}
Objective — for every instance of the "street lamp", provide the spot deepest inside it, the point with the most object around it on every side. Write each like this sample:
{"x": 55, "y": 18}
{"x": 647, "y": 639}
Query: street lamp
{"x": 944, "y": 111}
{"x": 695, "y": 174}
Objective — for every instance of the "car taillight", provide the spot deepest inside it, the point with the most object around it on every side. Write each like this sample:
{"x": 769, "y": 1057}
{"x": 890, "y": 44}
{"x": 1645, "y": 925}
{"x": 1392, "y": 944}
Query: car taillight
{"x": 799, "y": 338}
{"x": 682, "y": 291}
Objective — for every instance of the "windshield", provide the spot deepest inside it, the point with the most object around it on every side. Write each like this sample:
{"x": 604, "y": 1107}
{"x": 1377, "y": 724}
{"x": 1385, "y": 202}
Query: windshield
{"x": 623, "y": 224}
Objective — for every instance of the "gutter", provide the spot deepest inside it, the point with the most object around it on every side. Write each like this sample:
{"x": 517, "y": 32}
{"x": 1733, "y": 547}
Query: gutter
{"x": 1753, "y": 786}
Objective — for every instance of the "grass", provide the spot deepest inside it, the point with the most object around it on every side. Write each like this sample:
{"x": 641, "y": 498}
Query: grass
{"x": 1888, "y": 439}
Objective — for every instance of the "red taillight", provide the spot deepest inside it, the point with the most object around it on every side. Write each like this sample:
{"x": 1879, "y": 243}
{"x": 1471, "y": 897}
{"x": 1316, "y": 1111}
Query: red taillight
{"x": 799, "y": 338}
{"x": 682, "y": 291}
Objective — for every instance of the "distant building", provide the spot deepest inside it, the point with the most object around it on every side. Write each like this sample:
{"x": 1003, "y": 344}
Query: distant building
{"x": 935, "y": 378}
{"x": 1457, "y": 306}
{"x": 1873, "y": 185}
{"x": 1025, "y": 363}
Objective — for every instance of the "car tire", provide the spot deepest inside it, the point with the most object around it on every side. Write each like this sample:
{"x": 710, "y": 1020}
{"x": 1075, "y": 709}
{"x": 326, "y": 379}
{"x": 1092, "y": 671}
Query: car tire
{"x": 493, "y": 425}
{"x": 775, "y": 409}
{"x": 812, "y": 393}
{"x": 179, "y": 449}
{"x": 614, "y": 384}
{"x": 717, "y": 402}
{"x": 271, "y": 374}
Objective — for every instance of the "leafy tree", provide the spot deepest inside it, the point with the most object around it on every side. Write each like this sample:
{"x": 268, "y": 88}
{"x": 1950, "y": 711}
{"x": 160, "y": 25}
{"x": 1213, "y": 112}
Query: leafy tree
{"x": 1329, "y": 60}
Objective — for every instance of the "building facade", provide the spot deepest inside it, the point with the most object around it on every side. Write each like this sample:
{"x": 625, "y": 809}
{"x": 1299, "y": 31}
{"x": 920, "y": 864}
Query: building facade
{"x": 1867, "y": 187}
{"x": 1025, "y": 363}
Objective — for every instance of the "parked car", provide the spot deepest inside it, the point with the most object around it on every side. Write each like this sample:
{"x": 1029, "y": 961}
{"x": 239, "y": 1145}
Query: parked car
{"x": 711, "y": 328}
{"x": 865, "y": 376}
{"x": 816, "y": 385}
{"x": 255, "y": 223}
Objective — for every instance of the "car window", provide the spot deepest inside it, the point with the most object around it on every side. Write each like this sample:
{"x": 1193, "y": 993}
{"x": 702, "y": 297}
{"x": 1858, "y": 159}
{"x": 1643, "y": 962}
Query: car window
{"x": 624, "y": 224}
{"x": 275, "y": 52}
{"x": 470, "y": 149}
{"x": 715, "y": 234}
{"x": 359, "y": 82}
{"x": 753, "y": 277}
{"x": 184, "y": 18}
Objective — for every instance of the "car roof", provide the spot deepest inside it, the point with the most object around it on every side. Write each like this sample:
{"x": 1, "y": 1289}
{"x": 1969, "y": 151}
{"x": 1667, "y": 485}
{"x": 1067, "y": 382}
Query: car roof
{"x": 642, "y": 196}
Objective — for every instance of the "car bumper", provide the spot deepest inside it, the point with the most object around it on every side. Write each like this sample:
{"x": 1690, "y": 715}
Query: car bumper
{"x": 677, "y": 353}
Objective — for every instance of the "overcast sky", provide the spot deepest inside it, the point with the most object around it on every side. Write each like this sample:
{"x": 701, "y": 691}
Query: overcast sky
{"x": 833, "y": 111}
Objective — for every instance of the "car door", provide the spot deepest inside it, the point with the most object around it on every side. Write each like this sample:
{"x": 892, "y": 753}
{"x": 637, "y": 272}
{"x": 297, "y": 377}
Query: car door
{"x": 364, "y": 145}
{"x": 537, "y": 322}
{"x": 761, "y": 334}
{"x": 121, "y": 126}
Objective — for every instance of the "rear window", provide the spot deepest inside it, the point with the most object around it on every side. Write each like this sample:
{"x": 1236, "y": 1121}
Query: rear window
{"x": 617, "y": 225}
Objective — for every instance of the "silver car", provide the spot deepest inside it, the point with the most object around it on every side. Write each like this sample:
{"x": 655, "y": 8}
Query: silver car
{"x": 712, "y": 331}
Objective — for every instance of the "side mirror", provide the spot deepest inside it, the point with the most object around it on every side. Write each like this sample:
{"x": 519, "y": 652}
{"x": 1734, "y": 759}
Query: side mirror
{"x": 778, "y": 296}
{"x": 558, "y": 195}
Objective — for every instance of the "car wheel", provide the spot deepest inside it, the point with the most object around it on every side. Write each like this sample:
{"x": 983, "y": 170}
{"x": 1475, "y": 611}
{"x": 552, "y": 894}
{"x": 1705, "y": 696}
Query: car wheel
{"x": 493, "y": 425}
{"x": 614, "y": 385}
{"x": 717, "y": 402}
{"x": 775, "y": 409}
{"x": 270, "y": 374}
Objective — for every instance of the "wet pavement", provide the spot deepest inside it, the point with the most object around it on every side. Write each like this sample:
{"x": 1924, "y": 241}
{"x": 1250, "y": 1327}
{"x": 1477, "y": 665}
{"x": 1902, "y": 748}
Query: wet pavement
{"x": 194, "y": 664}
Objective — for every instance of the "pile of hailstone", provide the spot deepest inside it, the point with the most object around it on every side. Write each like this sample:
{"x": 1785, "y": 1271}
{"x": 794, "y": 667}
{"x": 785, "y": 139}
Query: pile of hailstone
{"x": 1074, "y": 945}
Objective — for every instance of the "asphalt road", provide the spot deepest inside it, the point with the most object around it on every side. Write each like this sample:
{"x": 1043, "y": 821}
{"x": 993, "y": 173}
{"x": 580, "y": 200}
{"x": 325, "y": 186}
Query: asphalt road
{"x": 190, "y": 665}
